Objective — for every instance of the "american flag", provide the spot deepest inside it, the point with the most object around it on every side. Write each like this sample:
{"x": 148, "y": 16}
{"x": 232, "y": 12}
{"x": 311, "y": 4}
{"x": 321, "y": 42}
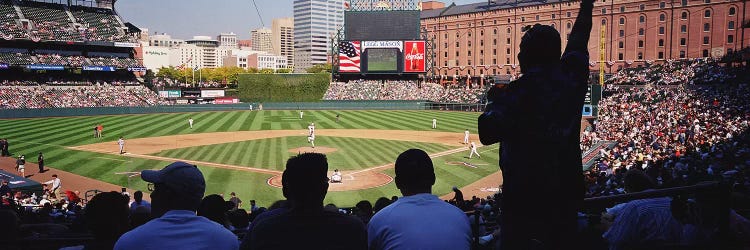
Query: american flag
{"x": 349, "y": 56}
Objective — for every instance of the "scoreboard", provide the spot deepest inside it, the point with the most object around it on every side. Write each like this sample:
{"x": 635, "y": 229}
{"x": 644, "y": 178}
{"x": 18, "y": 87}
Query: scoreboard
{"x": 382, "y": 25}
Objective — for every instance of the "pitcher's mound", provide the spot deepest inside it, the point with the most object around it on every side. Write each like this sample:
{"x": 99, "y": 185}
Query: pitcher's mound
{"x": 322, "y": 150}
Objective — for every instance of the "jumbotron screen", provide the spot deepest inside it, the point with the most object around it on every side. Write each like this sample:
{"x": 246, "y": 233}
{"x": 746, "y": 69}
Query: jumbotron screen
{"x": 382, "y": 60}
{"x": 381, "y": 25}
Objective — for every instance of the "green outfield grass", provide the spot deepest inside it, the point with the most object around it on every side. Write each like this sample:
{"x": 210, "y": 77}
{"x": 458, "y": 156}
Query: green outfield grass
{"x": 52, "y": 135}
{"x": 351, "y": 154}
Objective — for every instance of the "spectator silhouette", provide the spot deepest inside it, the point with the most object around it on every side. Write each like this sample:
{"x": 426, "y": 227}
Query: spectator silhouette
{"x": 107, "y": 217}
{"x": 214, "y": 208}
{"x": 305, "y": 185}
{"x": 364, "y": 211}
{"x": 139, "y": 202}
{"x": 176, "y": 195}
{"x": 537, "y": 119}
{"x": 419, "y": 219}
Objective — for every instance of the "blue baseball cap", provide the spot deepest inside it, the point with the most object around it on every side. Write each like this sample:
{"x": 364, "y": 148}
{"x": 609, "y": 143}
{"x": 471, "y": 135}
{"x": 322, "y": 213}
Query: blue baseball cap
{"x": 184, "y": 178}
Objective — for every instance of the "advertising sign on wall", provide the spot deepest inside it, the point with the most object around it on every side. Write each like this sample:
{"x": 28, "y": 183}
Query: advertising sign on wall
{"x": 212, "y": 93}
{"x": 169, "y": 93}
{"x": 414, "y": 56}
{"x": 227, "y": 100}
{"x": 98, "y": 68}
{"x": 44, "y": 67}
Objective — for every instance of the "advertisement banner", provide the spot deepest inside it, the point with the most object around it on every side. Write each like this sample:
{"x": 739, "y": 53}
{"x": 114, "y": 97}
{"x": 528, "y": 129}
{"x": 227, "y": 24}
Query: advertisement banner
{"x": 173, "y": 93}
{"x": 44, "y": 67}
{"x": 227, "y": 100}
{"x": 381, "y": 45}
{"x": 137, "y": 69}
{"x": 98, "y": 68}
{"x": 128, "y": 45}
{"x": 212, "y": 93}
{"x": 3, "y": 66}
{"x": 414, "y": 56}
{"x": 169, "y": 93}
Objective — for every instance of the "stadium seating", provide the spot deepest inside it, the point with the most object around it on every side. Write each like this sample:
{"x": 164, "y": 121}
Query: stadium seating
{"x": 51, "y": 23}
{"x": 8, "y": 23}
{"x": 101, "y": 24}
{"x": 61, "y": 95}
{"x": 16, "y": 58}
{"x": 113, "y": 61}
{"x": 402, "y": 90}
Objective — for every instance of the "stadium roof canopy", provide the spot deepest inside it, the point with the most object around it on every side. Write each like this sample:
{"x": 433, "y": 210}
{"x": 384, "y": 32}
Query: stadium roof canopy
{"x": 454, "y": 9}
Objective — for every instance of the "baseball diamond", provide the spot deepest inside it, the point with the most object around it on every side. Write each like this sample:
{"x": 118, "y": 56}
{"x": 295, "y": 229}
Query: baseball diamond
{"x": 245, "y": 151}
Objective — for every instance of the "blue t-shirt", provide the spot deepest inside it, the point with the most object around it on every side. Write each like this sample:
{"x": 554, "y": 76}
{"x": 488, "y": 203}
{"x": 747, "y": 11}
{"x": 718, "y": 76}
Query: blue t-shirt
{"x": 179, "y": 229}
{"x": 420, "y": 221}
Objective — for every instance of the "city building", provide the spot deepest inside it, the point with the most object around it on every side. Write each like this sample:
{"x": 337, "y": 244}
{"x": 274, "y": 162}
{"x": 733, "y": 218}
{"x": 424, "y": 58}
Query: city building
{"x": 199, "y": 52}
{"x": 163, "y": 40}
{"x": 266, "y": 61}
{"x": 155, "y": 57}
{"x": 315, "y": 22}
{"x": 227, "y": 40}
{"x": 262, "y": 40}
{"x": 283, "y": 39}
{"x": 238, "y": 58}
{"x": 245, "y": 44}
{"x": 484, "y": 37}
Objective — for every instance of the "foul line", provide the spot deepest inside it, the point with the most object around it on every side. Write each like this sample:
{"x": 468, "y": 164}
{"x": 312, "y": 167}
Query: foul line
{"x": 106, "y": 158}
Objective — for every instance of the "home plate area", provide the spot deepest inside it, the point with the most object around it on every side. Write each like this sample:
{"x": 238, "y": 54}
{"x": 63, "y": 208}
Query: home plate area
{"x": 352, "y": 180}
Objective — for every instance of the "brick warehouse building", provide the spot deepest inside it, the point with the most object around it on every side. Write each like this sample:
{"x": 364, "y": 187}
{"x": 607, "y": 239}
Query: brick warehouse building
{"x": 483, "y": 38}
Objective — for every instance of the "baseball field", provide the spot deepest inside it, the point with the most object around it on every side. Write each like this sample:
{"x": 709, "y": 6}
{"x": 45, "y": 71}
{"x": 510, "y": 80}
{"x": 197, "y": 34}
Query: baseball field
{"x": 245, "y": 151}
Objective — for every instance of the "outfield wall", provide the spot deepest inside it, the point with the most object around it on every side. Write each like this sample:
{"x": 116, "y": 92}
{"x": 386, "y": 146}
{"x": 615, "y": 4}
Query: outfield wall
{"x": 322, "y": 105}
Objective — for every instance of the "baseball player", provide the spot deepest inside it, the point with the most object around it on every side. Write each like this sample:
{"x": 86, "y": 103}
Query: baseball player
{"x": 301, "y": 113}
{"x": 311, "y": 134}
{"x": 434, "y": 123}
{"x": 474, "y": 151}
{"x": 121, "y": 142}
{"x": 466, "y": 136}
{"x": 190, "y": 121}
{"x": 20, "y": 165}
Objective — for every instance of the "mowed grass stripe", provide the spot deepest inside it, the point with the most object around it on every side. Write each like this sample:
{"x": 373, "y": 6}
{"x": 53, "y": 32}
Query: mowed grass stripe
{"x": 239, "y": 121}
{"x": 355, "y": 151}
{"x": 248, "y": 154}
{"x": 258, "y": 120}
{"x": 397, "y": 121}
{"x": 207, "y": 123}
{"x": 54, "y": 134}
{"x": 238, "y": 151}
{"x": 345, "y": 121}
{"x": 158, "y": 128}
{"x": 368, "y": 121}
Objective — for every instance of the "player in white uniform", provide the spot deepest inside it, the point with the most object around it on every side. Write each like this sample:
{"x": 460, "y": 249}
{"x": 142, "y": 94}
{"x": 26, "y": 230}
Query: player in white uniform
{"x": 311, "y": 134}
{"x": 434, "y": 123}
{"x": 121, "y": 142}
{"x": 474, "y": 150}
{"x": 190, "y": 121}
{"x": 301, "y": 113}
{"x": 466, "y": 136}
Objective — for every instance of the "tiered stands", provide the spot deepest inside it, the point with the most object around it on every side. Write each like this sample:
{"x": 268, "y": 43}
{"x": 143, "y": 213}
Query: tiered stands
{"x": 101, "y": 24}
{"x": 9, "y": 24}
{"x": 114, "y": 61}
{"x": 50, "y": 23}
{"x": 53, "y": 59}
{"x": 16, "y": 58}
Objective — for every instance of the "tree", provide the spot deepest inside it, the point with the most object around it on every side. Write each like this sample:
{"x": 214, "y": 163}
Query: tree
{"x": 283, "y": 71}
{"x": 318, "y": 68}
{"x": 148, "y": 79}
{"x": 266, "y": 71}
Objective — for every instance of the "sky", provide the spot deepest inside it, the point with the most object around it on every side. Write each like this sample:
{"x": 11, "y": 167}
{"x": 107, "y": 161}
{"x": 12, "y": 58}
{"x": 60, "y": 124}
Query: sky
{"x": 187, "y": 18}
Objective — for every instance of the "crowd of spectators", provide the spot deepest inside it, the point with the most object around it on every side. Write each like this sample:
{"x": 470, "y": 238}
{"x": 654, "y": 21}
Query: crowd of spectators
{"x": 124, "y": 94}
{"x": 51, "y": 22}
{"x": 673, "y": 72}
{"x": 402, "y": 90}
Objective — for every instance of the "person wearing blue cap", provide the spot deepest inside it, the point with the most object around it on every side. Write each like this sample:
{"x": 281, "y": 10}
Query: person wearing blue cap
{"x": 176, "y": 193}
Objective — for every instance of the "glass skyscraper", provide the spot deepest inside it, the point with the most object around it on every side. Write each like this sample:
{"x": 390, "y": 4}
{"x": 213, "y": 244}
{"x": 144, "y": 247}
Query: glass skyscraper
{"x": 315, "y": 22}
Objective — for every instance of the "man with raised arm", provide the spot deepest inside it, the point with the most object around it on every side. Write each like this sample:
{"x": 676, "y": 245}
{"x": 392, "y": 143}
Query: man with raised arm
{"x": 537, "y": 120}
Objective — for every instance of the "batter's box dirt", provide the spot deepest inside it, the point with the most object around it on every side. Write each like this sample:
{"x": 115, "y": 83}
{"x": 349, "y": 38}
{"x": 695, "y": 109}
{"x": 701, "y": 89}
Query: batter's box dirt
{"x": 322, "y": 150}
{"x": 350, "y": 182}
